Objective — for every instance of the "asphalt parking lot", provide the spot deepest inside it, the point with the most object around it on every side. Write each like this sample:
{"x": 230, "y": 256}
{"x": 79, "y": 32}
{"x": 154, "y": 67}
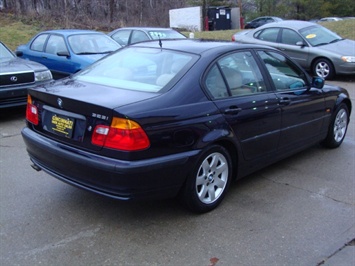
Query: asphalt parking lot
{"x": 300, "y": 211}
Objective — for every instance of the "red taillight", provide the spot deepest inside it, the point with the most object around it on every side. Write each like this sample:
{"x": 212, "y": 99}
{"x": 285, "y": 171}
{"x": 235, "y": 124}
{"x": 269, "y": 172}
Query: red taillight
{"x": 123, "y": 134}
{"x": 233, "y": 38}
{"x": 31, "y": 112}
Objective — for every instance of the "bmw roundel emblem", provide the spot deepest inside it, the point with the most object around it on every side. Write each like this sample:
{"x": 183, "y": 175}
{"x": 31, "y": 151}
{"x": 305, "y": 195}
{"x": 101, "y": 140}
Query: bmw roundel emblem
{"x": 13, "y": 78}
{"x": 60, "y": 102}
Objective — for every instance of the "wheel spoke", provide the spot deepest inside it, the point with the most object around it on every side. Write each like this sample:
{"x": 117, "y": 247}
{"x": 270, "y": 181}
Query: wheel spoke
{"x": 214, "y": 162}
{"x": 219, "y": 182}
{"x": 211, "y": 193}
{"x": 202, "y": 193}
{"x": 223, "y": 167}
{"x": 205, "y": 166}
{"x": 200, "y": 180}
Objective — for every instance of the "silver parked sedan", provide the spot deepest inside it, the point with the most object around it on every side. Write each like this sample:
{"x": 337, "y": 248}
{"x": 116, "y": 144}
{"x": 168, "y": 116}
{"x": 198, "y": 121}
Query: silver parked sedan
{"x": 313, "y": 46}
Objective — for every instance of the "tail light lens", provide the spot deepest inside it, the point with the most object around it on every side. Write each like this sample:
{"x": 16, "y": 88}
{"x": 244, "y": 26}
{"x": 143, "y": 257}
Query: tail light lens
{"x": 31, "y": 112}
{"x": 123, "y": 134}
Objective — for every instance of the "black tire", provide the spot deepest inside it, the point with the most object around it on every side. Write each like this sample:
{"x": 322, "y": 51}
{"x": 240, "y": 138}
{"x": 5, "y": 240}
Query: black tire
{"x": 209, "y": 181}
{"x": 323, "y": 68}
{"x": 337, "y": 127}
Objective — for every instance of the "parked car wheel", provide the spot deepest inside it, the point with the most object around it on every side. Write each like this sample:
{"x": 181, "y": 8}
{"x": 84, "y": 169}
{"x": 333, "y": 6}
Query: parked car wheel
{"x": 323, "y": 68}
{"x": 338, "y": 127}
{"x": 209, "y": 181}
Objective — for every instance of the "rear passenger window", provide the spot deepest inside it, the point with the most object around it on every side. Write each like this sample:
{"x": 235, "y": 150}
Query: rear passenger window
{"x": 269, "y": 35}
{"x": 235, "y": 75}
{"x": 38, "y": 43}
{"x": 122, "y": 37}
{"x": 139, "y": 36}
{"x": 215, "y": 84}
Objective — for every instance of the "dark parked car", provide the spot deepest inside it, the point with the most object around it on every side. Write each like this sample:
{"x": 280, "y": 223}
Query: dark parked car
{"x": 255, "y": 23}
{"x": 313, "y": 46}
{"x": 18, "y": 75}
{"x": 180, "y": 118}
{"x": 330, "y": 19}
{"x": 130, "y": 35}
{"x": 66, "y": 52}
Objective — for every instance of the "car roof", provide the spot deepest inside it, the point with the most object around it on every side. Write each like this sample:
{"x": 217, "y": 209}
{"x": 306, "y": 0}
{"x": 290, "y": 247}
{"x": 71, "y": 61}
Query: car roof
{"x": 72, "y": 31}
{"x": 144, "y": 28}
{"x": 197, "y": 46}
{"x": 268, "y": 17}
{"x": 331, "y": 18}
{"x": 293, "y": 24}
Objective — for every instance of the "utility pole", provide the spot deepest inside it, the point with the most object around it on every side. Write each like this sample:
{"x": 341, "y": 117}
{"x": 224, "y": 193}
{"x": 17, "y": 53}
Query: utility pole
{"x": 240, "y": 7}
{"x": 241, "y": 14}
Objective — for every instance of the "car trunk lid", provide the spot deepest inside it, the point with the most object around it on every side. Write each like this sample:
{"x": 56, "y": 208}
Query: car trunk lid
{"x": 70, "y": 110}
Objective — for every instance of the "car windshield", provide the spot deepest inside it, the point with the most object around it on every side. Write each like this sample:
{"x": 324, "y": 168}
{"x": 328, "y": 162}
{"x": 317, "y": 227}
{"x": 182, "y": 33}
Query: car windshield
{"x": 92, "y": 44}
{"x": 5, "y": 53}
{"x": 165, "y": 34}
{"x": 318, "y": 35}
{"x": 136, "y": 68}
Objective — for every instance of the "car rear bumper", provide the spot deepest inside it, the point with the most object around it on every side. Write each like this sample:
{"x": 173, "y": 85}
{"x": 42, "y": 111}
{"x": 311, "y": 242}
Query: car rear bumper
{"x": 125, "y": 180}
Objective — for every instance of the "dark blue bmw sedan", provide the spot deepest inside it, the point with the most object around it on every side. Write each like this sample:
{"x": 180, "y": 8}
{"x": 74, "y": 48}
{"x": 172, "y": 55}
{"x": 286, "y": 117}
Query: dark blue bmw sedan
{"x": 179, "y": 118}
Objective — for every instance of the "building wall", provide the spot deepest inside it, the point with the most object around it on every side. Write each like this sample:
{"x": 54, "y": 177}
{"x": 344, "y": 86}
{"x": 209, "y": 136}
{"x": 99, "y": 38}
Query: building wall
{"x": 189, "y": 18}
{"x": 235, "y": 13}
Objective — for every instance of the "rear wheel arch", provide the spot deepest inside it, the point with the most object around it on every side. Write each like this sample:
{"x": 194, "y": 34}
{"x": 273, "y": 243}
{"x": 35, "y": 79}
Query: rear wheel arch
{"x": 233, "y": 153}
{"x": 220, "y": 137}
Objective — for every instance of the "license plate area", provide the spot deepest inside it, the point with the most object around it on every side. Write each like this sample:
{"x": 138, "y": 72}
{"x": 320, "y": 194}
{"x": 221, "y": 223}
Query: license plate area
{"x": 62, "y": 125}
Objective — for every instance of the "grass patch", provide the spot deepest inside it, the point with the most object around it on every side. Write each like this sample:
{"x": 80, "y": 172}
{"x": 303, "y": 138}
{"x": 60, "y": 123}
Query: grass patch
{"x": 344, "y": 28}
{"x": 14, "y": 32}
{"x": 215, "y": 35}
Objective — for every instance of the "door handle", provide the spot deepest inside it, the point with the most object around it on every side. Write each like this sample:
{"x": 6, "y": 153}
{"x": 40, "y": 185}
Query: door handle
{"x": 232, "y": 110}
{"x": 284, "y": 101}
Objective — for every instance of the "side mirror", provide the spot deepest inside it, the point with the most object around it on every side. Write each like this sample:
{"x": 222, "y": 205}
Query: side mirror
{"x": 19, "y": 53}
{"x": 300, "y": 43}
{"x": 63, "y": 53}
{"x": 317, "y": 82}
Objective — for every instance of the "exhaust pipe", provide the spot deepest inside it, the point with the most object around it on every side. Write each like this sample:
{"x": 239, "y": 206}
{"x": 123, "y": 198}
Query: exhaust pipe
{"x": 36, "y": 167}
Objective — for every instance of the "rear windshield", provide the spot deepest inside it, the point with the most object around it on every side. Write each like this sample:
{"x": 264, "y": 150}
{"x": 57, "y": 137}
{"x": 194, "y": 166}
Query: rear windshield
{"x": 137, "y": 68}
{"x": 92, "y": 43}
{"x": 165, "y": 34}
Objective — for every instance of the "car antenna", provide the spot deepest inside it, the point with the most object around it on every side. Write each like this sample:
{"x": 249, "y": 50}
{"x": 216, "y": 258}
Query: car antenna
{"x": 160, "y": 43}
